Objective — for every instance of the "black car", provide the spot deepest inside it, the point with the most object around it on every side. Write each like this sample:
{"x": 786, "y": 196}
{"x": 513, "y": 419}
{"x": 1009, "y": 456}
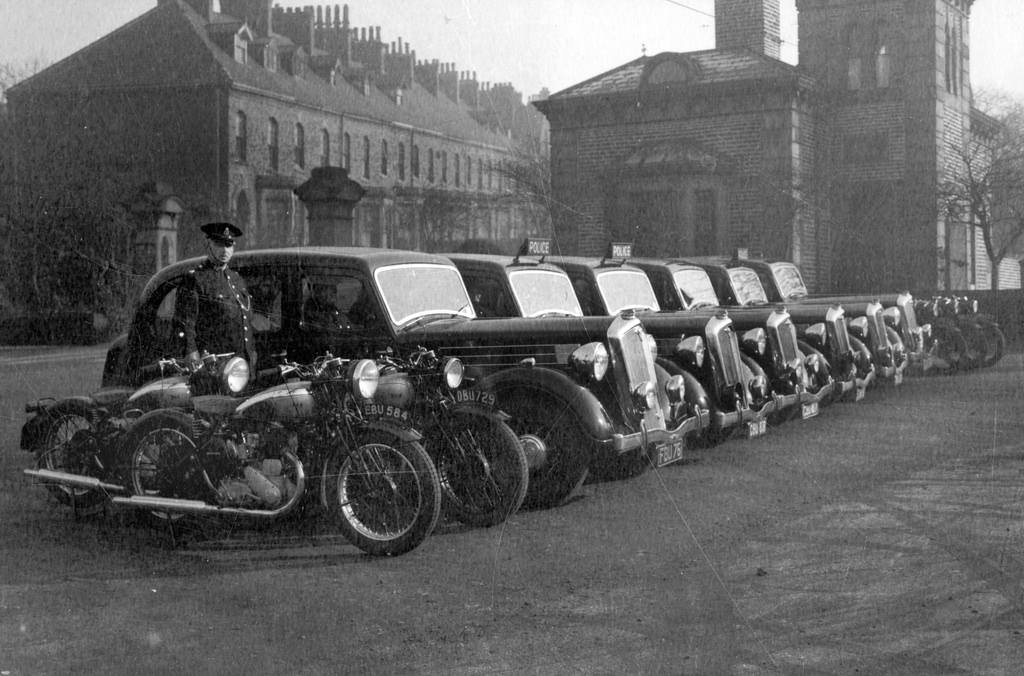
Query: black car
{"x": 684, "y": 287}
{"x": 702, "y": 350}
{"x": 574, "y": 387}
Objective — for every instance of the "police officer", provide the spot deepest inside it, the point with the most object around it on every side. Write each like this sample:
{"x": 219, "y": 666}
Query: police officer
{"x": 213, "y": 306}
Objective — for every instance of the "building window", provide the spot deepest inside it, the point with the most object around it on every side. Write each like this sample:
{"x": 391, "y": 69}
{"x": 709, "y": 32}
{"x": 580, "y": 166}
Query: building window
{"x": 383, "y": 158}
{"x": 444, "y": 166}
{"x": 300, "y": 146}
{"x": 241, "y": 136}
{"x": 325, "y": 148}
{"x": 458, "y": 171}
{"x": 415, "y": 161}
{"x": 883, "y": 67}
{"x": 366, "y": 157}
{"x": 346, "y": 151}
{"x": 430, "y": 165}
{"x": 272, "y": 144}
{"x": 480, "y": 174}
{"x": 469, "y": 172}
{"x": 854, "y": 49}
{"x": 401, "y": 161}
{"x": 241, "y": 50}
{"x": 490, "y": 174}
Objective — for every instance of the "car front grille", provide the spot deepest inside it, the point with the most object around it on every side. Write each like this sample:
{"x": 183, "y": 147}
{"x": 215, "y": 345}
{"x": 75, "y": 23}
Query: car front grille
{"x": 839, "y": 336}
{"x": 783, "y": 338}
{"x": 724, "y": 349}
{"x": 633, "y": 367}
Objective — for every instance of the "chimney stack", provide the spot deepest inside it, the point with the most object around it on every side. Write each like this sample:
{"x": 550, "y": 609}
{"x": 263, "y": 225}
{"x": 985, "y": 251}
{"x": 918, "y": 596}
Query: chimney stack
{"x": 748, "y": 24}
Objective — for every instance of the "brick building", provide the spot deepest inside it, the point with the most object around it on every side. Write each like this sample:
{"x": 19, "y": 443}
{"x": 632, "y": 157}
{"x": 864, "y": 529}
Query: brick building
{"x": 231, "y": 104}
{"x": 834, "y": 163}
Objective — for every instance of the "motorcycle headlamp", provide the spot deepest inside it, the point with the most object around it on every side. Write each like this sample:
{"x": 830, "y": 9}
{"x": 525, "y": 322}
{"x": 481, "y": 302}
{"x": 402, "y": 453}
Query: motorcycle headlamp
{"x": 891, "y": 315}
{"x": 755, "y": 342}
{"x": 816, "y": 335}
{"x": 590, "y": 361}
{"x": 234, "y": 375}
{"x": 858, "y": 327}
{"x": 645, "y": 396}
{"x": 691, "y": 351}
{"x": 454, "y": 372}
{"x": 364, "y": 377}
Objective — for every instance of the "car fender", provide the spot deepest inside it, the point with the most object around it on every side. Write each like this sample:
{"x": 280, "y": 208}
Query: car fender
{"x": 584, "y": 405}
{"x": 114, "y": 366}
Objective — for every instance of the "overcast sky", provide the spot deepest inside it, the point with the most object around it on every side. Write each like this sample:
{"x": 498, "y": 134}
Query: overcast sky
{"x": 530, "y": 43}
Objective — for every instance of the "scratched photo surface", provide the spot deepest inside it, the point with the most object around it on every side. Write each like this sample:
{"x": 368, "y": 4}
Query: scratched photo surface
{"x": 876, "y": 531}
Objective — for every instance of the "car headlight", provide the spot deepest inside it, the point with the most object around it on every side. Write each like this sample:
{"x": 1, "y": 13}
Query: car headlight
{"x": 691, "y": 351}
{"x": 675, "y": 388}
{"x": 590, "y": 360}
{"x": 644, "y": 396}
{"x": 891, "y": 315}
{"x": 755, "y": 341}
{"x": 858, "y": 327}
{"x": 364, "y": 377}
{"x": 816, "y": 335}
{"x": 454, "y": 371}
{"x": 234, "y": 375}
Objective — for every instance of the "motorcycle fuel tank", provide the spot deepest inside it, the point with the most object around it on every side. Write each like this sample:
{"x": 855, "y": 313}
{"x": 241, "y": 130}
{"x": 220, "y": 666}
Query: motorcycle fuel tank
{"x": 290, "y": 401}
{"x": 172, "y": 392}
{"x": 395, "y": 389}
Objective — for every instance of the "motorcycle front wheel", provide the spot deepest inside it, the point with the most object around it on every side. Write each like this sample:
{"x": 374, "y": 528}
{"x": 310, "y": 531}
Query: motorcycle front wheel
{"x": 68, "y": 425}
{"x": 162, "y": 459}
{"x": 482, "y": 467}
{"x": 383, "y": 493}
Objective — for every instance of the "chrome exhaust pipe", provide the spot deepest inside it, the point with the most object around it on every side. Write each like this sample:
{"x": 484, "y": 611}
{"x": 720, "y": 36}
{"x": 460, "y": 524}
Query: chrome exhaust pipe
{"x": 194, "y": 507}
{"x": 75, "y": 480}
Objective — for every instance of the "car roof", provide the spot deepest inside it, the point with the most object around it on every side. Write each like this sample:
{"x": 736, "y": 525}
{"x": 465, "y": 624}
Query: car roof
{"x": 503, "y": 262}
{"x": 671, "y": 263}
{"x": 592, "y": 262}
{"x": 366, "y": 258}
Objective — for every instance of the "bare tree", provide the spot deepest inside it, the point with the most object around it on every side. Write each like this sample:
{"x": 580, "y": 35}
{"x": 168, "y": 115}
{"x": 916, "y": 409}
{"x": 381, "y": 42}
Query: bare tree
{"x": 986, "y": 189}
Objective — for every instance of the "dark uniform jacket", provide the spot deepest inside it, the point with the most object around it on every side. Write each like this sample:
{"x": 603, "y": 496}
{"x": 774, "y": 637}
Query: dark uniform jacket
{"x": 213, "y": 309}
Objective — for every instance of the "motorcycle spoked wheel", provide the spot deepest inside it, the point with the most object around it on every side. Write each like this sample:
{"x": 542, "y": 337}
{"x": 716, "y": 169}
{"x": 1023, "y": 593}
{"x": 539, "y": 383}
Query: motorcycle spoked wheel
{"x": 482, "y": 467}
{"x": 949, "y": 346}
{"x": 384, "y": 493}
{"x": 162, "y": 460}
{"x": 55, "y": 453}
{"x": 995, "y": 342}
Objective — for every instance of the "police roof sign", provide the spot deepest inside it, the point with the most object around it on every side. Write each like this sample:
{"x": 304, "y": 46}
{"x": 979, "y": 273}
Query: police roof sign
{"x": 620, "y": 250}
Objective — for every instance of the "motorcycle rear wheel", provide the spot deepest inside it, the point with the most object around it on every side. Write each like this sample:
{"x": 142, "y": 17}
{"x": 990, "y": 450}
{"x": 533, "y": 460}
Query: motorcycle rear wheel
{"x": 55, "y": 453}
{"x": 482, "y": 467}
{"x": 949, "y": 346}
{"x": 383, "y": 493}
{"x": 995, "y": 342}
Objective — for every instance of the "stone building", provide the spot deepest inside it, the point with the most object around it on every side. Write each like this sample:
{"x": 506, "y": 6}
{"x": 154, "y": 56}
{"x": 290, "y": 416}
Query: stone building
{"x": 231, "y": 104}
{"x": 834, "y": 163}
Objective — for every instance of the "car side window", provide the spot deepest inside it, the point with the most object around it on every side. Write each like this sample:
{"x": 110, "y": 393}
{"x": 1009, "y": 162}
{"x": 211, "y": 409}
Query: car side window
{"x": 488, "y": 296}
{"x": 265, "y": 292}
{"x": 337, "y": 303}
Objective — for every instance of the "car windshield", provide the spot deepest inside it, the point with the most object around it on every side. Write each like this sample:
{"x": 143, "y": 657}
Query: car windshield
{"x": 622, "y": 289}
{"x": 790, "y": 282}
{"x": 747, "y": 287}
{"x": 541, "y": 292}
{"x": 696, "y": 287}
{"x": 412, "y": 291}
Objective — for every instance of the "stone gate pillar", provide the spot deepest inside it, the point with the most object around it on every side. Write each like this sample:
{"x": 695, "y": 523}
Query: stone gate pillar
{"x": 155, "y": 211}
{"x": 330, "y": 197}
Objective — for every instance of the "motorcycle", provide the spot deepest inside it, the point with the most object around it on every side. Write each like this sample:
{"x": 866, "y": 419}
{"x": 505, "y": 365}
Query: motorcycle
{"x": 481, "y": 463}
{"x": 948, "y": 342}
{"x": 254, "y": 458}
{"x": 986, "y": 341}
{"x": 77, "y": 440}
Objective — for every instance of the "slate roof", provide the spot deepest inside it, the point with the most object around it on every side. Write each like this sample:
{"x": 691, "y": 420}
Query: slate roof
{"x": 713, "y": 67}
{"x": 169, "y": 46}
